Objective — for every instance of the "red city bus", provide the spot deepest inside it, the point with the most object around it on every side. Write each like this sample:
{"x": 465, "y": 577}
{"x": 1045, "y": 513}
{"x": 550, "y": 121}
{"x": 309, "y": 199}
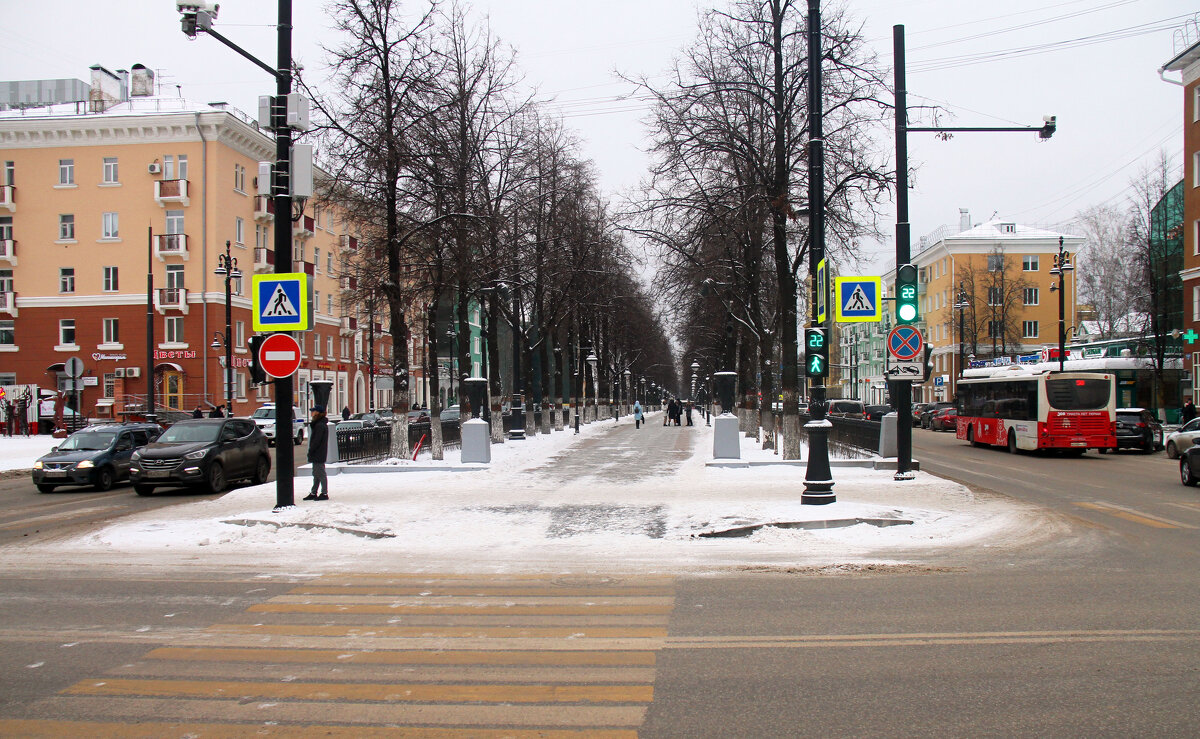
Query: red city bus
{"x": 1024, "y": 409}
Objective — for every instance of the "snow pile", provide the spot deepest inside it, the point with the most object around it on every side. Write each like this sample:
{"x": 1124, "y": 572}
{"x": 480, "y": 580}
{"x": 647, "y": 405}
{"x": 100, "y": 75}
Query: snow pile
{"x": 20, "y": 452}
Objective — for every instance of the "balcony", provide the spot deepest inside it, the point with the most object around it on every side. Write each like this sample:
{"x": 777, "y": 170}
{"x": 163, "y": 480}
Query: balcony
{"x": 264, "y": 259}
{"x": 8, "y": 251}
{"x": 8, "y": 198}
{"x": 309, "y": 268}
{"x": 171, "y": 191}
{"x": 171, "y": 245}
{"x": 304, "y": 228}
{"x": 170, "y": 298}
{"x": 8, "y": 304}
{"x": 349, "y": 325}
{"x": 348, "y": 283}
{"x": 264, "y": 208}
{"x": 349, "y": 244}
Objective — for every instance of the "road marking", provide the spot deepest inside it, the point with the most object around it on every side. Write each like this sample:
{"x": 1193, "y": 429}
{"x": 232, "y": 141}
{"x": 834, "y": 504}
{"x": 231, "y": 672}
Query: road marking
{"x": 456, "y": 610}
{"x": 499, "y": 631}
{"x": 37, "y": 729}
{"x": 931, "y": 639}
{"x": 63, "y": 516}
{"x": 407, "y": 657}
{"x": 1130, "y": 514}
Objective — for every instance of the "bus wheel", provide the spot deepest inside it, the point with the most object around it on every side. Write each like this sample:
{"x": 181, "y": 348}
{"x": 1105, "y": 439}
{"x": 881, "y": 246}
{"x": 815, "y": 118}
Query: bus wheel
{"x": 1012, "y": 442}
{"x": 971, "y": 437}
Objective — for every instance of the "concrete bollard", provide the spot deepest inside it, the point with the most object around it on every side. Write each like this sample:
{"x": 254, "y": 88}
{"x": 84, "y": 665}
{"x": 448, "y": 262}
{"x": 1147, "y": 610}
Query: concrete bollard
{"x": 476, "y": 441}
{"x": 888, "y": 446}
{"x": 726, "y": 444}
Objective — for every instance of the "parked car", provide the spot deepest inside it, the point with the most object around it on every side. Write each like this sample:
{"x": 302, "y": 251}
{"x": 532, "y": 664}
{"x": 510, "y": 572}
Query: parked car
{"x": 418, "y": 416}
{"x": 945, "y": 419}
{"x": 264, "y": 418}
{"x": 917, "y": 410}
{"x": 846, "y": 409}
{"x": 928, "y": 411}
{"x": 1183, "y": 438}
{"x": 97, "y": 456}
{"x": 1137, "y": 427}
{"x": 354, "y": 424}
{"x": 207, "y": 452}
{"x": 1189, "y": 466}
{"x": 453, "y": 413}
{"x": 368, "y": 419}
{"x": 877, "y": 412}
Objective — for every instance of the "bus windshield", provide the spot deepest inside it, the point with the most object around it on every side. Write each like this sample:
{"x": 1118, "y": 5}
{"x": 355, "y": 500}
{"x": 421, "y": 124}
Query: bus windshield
{"x": 1078, "y": 394}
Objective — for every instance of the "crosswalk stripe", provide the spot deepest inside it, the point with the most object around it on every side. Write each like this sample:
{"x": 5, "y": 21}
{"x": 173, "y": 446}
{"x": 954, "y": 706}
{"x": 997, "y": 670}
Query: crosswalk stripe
{"x": 40, "y": 729}
{"x": 414, "y": 657}
{"x": 481, "y": 591}
{"x": 458, "y": 632}
{"x": 483, "y": 674}
{"x": 1129, "y": 514}
{"x": 502, "y": 599}
{"x": 547, "y": 610}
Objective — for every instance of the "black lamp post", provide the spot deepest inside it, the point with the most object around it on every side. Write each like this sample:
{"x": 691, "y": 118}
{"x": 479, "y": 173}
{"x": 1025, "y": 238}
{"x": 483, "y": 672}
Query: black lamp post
{"x": 592, "y": 360}
{"x": 227, "y": 268}
{"x": 1062, "y": 265}
{"x": 961, "y": 305}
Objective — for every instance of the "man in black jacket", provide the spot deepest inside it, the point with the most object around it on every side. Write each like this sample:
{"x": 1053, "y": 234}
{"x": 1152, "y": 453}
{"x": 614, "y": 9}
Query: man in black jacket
{"x": 318, "y": 449}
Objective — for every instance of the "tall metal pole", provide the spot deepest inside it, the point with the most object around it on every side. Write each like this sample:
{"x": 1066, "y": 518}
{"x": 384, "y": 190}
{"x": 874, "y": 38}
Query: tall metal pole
{"x": 818, "y": 478}
{"x": 150, "y": 415}
{"x": 228, "y": 338}
{"x": 285, "y": 456}
{"x": 902, "y": 390}
{"x": 1061, "y": 266}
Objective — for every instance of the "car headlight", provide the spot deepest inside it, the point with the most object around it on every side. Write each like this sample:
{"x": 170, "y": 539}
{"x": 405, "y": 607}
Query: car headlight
{"x": 136, "y": 456}
{"x": 85, "y": 465}
{"x": 198, "y": 454}
{"x": 37, "y": 465}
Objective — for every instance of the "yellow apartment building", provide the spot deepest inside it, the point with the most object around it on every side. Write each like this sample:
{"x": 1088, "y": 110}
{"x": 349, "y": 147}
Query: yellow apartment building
{"x": 97, "y": 195}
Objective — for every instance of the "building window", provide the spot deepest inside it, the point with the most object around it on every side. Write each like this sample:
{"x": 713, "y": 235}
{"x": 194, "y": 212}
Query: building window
{"x": 66, "y": 171}
{"x": 6, "y": 280}
{"x": 995, "y": 329}
{"x": 10, "y": 173}
{"x": 995, "y": 296}
{"x": 66, "y": 279}
{"x": 173, "y": 332}
{"x": 110, "y": 280}
{"x": 239, "y": 334}
{"x": 1031, "y": 296}
{"x": 1029, "y": 329}
{"x": 1196, "y": 169}
{"x": 1029, "y": 263}
{"x": 1195, "y": 232}
{"x": 239, "y": 231}
{"x": 6, "y": 228}
{"x": 175, "y": 275}
{"x": 329, "y": 347}
{"x": 110, "y": 384}
{"x": 329, "y": 304}
{"x": 110, "y": 171}
{"x": 316, "y": 301}
{"x": 66, "y": 331}
{"x": 239, "y": 178}
{"x": 316, "y": 259}
{"x": 112, "y": 331}
{"x": 329, "y": 261}
{"x": 995, "y": 262}
{"x": 110, "y": 228}
{"x": 174, "y": 221}
{"x": 8, "y": 333}
{"x": 1196, "y": 302}
{"x": 66, "y": 227}
{"x": 239, "y": 385}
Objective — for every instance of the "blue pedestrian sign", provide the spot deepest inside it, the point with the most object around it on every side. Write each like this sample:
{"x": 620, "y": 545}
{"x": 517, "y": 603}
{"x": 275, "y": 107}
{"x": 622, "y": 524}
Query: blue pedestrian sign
{"x": 856, "y": 300}
{"x": 280, "y": 302}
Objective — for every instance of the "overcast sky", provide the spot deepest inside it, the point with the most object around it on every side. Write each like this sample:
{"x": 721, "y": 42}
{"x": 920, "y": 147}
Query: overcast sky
{"x": 1093, "y": 63}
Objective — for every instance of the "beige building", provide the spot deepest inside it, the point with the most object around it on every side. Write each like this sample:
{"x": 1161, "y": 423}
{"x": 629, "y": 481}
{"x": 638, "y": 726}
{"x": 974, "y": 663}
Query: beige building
{"x": 97, "y": 194}
{"x": 995, "y": 277}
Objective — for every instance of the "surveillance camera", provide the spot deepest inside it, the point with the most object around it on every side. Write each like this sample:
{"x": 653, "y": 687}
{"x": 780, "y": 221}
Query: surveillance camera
{"x": 1050, "y": 118}
{"x": 197, "y": 6}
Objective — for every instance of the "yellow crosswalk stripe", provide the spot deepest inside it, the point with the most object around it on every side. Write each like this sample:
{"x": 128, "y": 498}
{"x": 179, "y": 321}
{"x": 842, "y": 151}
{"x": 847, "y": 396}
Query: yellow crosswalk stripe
{"x": 458, "y": 632}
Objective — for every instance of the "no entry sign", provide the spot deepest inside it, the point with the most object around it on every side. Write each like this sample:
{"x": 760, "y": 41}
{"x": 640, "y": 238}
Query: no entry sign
{"x": 279, "y": 355}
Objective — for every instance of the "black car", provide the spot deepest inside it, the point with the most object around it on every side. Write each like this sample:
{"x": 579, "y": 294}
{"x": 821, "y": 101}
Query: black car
{"x": 1189, "y": 466}
{"x": 877, "y": 412}
{"x": 1138, "y": 428}
{"x": 97, "y": 456}
{"x": 207, "y": 452}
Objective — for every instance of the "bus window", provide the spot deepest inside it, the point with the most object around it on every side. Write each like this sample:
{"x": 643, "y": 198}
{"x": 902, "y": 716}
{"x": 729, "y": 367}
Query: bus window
{"x": 1078, "y": 394}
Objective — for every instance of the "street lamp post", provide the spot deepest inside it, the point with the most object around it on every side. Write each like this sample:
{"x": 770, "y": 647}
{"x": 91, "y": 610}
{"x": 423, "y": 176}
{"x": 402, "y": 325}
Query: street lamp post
{"x": 227, "y": 268}
{"x": 961, "y": 305}
{"x": 592, "y": 359}
{"x": 1062, "y": 265}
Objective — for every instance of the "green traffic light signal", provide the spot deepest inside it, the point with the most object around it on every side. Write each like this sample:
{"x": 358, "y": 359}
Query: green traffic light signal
{"x": 816, "y": 353}
{"x": 907, "y": 310}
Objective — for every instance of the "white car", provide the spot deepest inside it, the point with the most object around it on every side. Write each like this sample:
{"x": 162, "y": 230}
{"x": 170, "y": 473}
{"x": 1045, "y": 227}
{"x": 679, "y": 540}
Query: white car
{"x": 1184, "y": 438}
{"x": 264, "y": 418}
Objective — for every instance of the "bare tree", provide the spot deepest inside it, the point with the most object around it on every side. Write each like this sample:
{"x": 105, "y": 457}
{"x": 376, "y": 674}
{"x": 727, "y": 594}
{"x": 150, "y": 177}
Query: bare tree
{"x": 1109, "y": 281}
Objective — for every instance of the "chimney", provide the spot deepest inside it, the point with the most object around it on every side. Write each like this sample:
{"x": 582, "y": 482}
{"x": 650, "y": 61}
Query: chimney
{"x": 106, "y": 89}
{"x": 964, "y": 219}
{"x": 143, "y": 82}
{"x": 124, "y": 75}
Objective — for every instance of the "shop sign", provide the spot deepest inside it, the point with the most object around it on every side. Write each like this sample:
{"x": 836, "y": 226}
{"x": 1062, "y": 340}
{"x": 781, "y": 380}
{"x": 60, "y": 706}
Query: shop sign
{"x": 98, "y": 357}
{"x": 175, "y": 354}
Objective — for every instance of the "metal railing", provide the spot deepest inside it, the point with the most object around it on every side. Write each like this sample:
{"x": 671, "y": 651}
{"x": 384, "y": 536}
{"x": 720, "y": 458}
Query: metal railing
{"x": 849, "y": 438}
{"x": 367, "y": 443}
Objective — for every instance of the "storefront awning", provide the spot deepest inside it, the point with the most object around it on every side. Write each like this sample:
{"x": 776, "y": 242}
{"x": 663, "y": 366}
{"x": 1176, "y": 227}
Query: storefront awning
{"x": 103, "y": 402}
{"x": 57, "y": 367}
{"x": 167, "y": 365}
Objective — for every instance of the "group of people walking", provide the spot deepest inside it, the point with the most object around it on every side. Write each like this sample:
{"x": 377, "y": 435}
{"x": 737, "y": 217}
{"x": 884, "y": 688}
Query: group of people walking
{"x": 676, "y": 412}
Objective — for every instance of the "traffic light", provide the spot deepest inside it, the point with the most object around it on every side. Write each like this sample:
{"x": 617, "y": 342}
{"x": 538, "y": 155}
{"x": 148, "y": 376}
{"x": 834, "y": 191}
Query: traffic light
{"x": 257, "y": 376}
{"x": 816, "y": 353}
{"x": 906, "y": 294}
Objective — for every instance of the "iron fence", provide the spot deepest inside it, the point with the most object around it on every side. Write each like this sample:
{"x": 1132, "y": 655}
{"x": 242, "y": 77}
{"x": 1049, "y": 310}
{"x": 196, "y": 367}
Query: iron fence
{"x": 370, "y": 442}
{"x": 848, "y": 438}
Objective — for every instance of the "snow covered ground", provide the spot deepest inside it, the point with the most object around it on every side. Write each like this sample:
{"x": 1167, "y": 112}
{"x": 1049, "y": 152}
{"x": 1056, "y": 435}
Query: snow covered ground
{"x": 20, "y": 452}
{"x": 561, "y": 503}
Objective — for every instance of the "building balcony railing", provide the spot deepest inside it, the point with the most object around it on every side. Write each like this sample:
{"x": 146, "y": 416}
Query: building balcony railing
{"x": 264, "y": 259}
{"x": 348, "y": 283}
{"x": 8, "y": 251}
{"x": 304, "y": 227}
{"x": 309, "y": 268}
{"x": 8, "y": 303}
{"x": 264, "y": 208}
{"x": 349, "y": 325}
{"x": 171, "y": 191}
{"x": 349, "y": 244}
{"x": 171, "y": 245}
{"x": 170, "y": 298}
{"x": 8, "y": 197}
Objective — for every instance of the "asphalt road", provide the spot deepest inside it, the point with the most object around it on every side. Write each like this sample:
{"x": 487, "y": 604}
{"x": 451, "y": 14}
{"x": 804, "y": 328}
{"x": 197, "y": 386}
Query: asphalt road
{"x": 1094, "y": 633}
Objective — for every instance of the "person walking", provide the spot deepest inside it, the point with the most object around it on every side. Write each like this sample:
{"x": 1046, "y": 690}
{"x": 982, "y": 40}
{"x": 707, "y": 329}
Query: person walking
{"x": 318, "y": 449}
{"x": 689, "y": 413}
{"x": 198, "y": 413}
{"x": 217, "y": 412}
{"x": 346, "y": 413}
{"x": 1189, "y": 410}
{"x": 637, "y": 415}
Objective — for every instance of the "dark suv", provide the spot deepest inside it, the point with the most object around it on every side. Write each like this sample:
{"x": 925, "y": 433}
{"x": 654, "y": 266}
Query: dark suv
{"x": 1137, "y": 427}
{"x": 208, "y": 452}
{"x": 97, "y": 456}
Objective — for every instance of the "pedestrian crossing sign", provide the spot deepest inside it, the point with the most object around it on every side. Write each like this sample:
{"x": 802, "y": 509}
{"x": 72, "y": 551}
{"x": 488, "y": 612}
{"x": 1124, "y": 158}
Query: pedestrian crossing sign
{"x": 857, "y": 300}
{"x": 280, "y": 302}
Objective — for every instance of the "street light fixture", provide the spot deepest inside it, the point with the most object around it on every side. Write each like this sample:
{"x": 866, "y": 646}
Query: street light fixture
{"x": 1062, "y": 265}
{"x": 227, "y": 268}
{"x": 592, "y": 359}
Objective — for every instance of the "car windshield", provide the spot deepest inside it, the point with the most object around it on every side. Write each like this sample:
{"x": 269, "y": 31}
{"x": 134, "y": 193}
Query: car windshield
{"x": 185, "y": 433}
{"x": 264, "y": 413}
{"x": 87, "y": 441}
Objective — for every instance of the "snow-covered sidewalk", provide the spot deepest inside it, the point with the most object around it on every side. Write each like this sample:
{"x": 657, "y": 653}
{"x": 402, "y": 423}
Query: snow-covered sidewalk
{"x": 611, "y": 498}
{"x": 20, "y": 452}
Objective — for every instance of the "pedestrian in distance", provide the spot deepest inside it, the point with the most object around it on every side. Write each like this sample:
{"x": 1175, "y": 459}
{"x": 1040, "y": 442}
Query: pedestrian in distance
{"x": 637, "y": 415}
{"x": 318, "y": 449}
{"x": 1189, "y": 410}
{"x": 689, "y": 413}
{"x": 198, "y": 413}
{"x": 346, "y": 413}
{"x": 217, "y": 412}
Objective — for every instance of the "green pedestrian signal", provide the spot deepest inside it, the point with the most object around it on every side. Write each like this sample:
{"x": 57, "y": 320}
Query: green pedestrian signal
{"x": 907, "y": 310}
{"x": 816, "y": 353}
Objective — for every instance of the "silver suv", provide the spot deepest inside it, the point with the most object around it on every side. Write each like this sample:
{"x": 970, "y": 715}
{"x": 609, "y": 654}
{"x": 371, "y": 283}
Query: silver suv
{"x": 264, "y": 418}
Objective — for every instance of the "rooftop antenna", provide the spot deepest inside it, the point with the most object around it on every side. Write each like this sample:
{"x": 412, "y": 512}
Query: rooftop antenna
{"x": 179, "y": 91}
